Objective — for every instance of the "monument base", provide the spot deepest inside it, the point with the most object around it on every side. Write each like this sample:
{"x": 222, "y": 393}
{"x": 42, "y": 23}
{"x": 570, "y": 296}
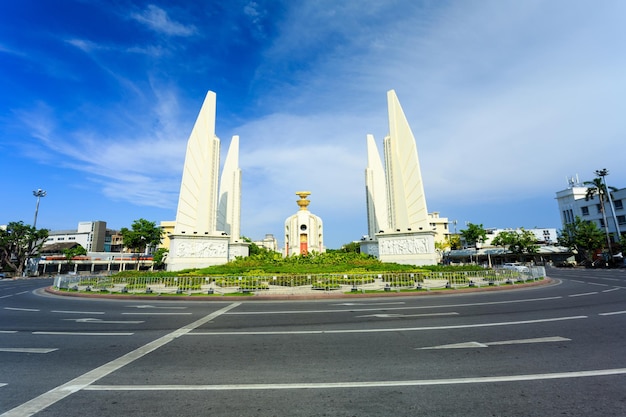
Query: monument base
{"x": 241, "y": 249}
{"x": 190, "y": 252}
{"x": 411, "y": 248}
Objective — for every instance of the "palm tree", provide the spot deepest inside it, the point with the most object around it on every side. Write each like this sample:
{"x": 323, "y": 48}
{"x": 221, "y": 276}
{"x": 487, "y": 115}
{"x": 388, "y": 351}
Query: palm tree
{"x": 597, "y": 186}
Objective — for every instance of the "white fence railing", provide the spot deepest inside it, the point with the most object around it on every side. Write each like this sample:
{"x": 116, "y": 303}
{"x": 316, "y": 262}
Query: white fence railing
{"x": 292, "y": 284}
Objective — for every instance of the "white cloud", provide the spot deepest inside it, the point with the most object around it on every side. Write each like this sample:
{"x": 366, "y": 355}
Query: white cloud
{"x": 158, "y": 20}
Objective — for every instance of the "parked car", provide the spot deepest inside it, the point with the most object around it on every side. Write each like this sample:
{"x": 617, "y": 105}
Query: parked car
{"x": 2, "y": 275}
{"x": 515, "y": 267}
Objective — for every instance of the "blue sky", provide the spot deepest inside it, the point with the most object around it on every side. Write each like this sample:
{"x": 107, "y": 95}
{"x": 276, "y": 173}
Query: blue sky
{"x": 506, "y": 99}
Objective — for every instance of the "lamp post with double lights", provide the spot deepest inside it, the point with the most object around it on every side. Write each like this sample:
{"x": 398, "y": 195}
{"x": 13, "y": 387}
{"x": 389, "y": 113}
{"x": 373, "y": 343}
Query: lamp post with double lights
{"x": 602, "y": 173}
{"x": 39, "y": 193}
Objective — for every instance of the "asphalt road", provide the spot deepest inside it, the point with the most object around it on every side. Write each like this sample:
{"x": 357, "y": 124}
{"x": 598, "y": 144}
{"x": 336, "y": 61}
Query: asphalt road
{"x": 554, "y": 350}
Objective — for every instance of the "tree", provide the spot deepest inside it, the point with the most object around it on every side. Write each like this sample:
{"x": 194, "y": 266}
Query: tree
{"x": 159, "y": 257}
{"x": 517, "y": 242}
{"x": 582, "y": 236}
{"x": 352, "y": 247}
{"x": 18, "y": 242}
{"x": 144, "y": 234}
{"x": 75, "y": 251}
{"x": 454, "y": 241}
{"x": 597, "y": 187}
{"x": 475, "y": 233}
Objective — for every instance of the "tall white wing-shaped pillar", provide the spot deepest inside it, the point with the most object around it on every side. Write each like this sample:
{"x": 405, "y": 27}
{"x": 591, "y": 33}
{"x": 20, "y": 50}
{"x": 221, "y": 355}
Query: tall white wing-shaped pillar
{"x": 407, "y": 202}
{"x": 375, "y": 190}
{"x": 197, "y": 201}
{"x": 229, "y": 207}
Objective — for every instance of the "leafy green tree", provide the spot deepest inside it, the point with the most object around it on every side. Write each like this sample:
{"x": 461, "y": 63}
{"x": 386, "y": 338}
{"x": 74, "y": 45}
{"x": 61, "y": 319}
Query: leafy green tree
{"x": 159, "y": 257}
{"x": 454, "y": 241}
{"x": 352, "y": 247}
{"x": 143, "y": 234}
{"x": 517, "y": 242}
{"x": 475, "y": 233}
{"x": 582, "y": 236}
{"x": 259, "y": 252}
{"x": 75, "y": 251}
{"x": 597, "y": 187}
{"x": 18, "y": 242}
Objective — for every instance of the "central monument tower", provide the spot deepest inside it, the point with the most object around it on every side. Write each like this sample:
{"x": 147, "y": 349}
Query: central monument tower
{"x": 304, "y": 231}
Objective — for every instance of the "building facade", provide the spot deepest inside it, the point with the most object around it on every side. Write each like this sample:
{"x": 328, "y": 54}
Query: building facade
{"x": 573, "y": 203}
{"x": 93, "y": 236}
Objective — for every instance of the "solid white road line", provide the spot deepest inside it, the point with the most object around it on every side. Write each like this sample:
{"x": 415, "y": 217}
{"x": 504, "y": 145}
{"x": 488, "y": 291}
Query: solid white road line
{"x": 92, "y": 320}
{"x": 583, "y": 294}
{"x": 368, "y": 304}
{"x": 77, "y": 312}
{"x": 396, "y": 329}
{"x": 612, "y": 313}
{"x": 84, "y": 333}
{"x": 354, "y": 310}
{"x": 57, "y": 394}
{"x": 393, "y": 316}
{"x": 21, "y": 309}
{"x": 157, "y": 314}
{"x": 28, "y": 350}
{"x": 159, "y": 307}
{"x": 361, "y": 384}
{"x": 464, "y": 345}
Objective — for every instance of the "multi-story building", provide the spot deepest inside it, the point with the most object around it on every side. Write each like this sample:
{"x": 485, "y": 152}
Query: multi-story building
{"x": 93, "y": 236}
{"x": 268, "y": 242}
{"x": 573, "y": 202}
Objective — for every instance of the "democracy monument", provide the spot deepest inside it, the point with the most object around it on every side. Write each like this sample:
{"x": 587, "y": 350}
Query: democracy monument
{"x": 397, "y": 218}
{"x": 208, "y": 219}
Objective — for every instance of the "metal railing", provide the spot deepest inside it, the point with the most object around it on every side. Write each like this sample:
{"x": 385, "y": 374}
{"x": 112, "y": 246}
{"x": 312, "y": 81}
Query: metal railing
{"x": 291, "y": 284}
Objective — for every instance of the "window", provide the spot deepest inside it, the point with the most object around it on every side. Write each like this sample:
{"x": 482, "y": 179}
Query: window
{"x": 568, "y": 216}
{"x": 599, "y": 207}
{"x": 621, "y": 219}
{"x": 61, "y": 238}
{"x": 618, "y": 204}
{"x": 71, "y": 238}
{"x": 585, "y": 210}
{"x": 601, "y": 222}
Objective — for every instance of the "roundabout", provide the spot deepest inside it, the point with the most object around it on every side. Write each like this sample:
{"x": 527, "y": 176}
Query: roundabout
{"x": 552, "y": 349}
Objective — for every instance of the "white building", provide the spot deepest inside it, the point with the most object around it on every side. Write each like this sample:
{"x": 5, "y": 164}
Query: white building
{"x": 268, "y": 242}
{"x": 92, "y": 236}
{"x": 573, "y": 203}
{"x": 543, "y": 236}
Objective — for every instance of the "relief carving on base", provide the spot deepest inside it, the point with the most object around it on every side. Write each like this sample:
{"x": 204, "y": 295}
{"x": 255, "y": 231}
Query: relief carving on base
{"x": 201, "y": 250}
{"x": 408, "y": 246}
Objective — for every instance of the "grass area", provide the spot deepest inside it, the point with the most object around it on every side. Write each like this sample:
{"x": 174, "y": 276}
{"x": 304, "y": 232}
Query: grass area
{"x": 315, "y": 263}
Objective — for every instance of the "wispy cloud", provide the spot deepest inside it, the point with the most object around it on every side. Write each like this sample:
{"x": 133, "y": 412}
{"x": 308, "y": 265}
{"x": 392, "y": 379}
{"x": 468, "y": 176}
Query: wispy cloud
{"x": 159, "y": 21}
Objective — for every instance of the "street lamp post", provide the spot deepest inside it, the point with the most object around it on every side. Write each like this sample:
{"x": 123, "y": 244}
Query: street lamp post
{"x": 603, "y": 173}
{"x": 38, "y": 193}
